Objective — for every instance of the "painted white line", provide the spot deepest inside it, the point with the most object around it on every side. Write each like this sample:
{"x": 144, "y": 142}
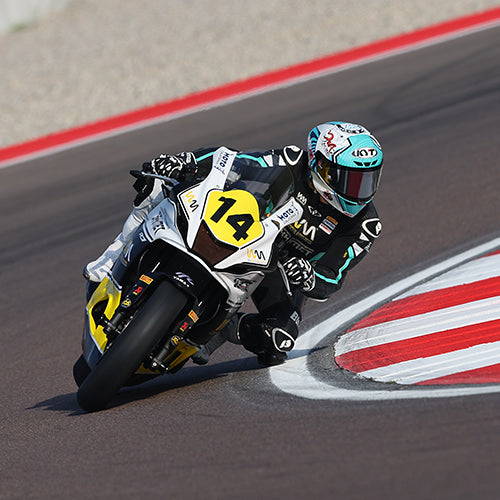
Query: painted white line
{"x": 295, "y": 378}
{"x": 449, "y": 318}
{"x": 441, "y": 365}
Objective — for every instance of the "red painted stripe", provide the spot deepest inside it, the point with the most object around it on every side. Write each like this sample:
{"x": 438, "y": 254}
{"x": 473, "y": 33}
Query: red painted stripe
{"x": 431, "y": 301}
{"x": 420, "y": 347}
{"x": 250, "y": 85}
{"x": 486, "y": 375}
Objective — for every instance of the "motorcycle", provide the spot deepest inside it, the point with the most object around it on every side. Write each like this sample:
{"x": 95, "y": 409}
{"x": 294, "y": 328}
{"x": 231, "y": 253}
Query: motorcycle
{"x": 191, "y": 265}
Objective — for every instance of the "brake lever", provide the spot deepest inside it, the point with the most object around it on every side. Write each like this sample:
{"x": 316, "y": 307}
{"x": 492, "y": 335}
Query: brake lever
{"x": 138, "y": 174}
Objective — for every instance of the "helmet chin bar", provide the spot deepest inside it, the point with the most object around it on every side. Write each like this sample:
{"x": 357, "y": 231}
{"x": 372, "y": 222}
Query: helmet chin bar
{"x": 333, "y": 199}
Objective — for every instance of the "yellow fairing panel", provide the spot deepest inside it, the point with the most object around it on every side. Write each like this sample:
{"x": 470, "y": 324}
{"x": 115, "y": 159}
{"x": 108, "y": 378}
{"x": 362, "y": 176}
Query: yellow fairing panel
{"x": 105, "y": 290}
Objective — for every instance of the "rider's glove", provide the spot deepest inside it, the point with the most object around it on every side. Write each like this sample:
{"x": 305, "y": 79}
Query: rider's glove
{"x": 179, "y": 167}
{"x": 300, "y": 273}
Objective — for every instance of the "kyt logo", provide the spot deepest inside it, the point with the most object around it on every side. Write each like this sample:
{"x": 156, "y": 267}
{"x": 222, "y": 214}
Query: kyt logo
{"x": 365, "y": 153}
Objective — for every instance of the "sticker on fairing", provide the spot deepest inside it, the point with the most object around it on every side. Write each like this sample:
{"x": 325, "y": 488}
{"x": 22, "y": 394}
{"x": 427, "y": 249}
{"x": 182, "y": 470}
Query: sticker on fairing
{"x": 233, "y": 217}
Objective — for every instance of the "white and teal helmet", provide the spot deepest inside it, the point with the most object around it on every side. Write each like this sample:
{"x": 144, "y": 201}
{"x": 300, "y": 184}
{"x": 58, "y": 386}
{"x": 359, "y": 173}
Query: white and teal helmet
{"x": 345, "y": 162}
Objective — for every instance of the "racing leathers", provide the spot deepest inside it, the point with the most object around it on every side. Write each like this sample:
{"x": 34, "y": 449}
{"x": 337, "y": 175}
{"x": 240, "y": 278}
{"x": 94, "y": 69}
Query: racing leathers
{"x": 323, "y": 246}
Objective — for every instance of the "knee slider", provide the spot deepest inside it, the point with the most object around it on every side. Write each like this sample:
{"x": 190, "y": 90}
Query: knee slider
{"x": 261, "y": 334}
{"x": 282, "y": 340}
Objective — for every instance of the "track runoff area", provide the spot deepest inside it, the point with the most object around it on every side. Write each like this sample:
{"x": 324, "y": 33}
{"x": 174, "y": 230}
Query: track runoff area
{"x": 435, "y": 334}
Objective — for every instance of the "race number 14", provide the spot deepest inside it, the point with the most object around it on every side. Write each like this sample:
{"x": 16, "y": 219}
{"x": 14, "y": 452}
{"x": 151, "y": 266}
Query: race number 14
{"x": 233, "y": 218}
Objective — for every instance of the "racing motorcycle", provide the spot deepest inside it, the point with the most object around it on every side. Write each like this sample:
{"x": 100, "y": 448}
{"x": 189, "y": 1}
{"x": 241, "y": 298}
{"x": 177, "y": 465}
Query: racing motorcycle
{"x": 191, "y": 265}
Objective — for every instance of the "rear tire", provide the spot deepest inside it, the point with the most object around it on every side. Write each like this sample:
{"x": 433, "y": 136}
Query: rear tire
{"x": 132, "y": 347}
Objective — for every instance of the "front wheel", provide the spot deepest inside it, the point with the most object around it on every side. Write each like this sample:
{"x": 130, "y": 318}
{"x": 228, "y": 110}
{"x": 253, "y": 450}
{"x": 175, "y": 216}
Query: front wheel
{"x": 132, "y": 347}
{"x": 81, "y": 370}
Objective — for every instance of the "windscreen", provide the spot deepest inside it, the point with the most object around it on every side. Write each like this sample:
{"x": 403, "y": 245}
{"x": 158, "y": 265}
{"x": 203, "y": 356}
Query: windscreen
{"x": 271, "y": 186}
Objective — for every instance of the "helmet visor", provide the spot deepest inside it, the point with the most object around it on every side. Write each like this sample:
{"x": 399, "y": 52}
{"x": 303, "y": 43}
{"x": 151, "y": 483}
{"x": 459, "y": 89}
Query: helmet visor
{"x": 354, "y": 184}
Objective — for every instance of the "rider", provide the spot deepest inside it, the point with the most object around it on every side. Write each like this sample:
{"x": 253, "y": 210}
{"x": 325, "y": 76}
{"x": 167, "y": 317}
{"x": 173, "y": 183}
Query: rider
{"x": 334, "y": 182}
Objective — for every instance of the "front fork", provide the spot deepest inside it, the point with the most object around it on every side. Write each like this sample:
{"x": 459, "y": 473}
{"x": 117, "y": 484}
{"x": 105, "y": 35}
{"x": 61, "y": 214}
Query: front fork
{"x": 170, "y": 355}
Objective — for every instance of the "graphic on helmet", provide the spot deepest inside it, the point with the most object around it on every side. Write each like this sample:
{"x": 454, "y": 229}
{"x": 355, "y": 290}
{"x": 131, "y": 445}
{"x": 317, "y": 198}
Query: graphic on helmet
{"x": 345, "y": 162}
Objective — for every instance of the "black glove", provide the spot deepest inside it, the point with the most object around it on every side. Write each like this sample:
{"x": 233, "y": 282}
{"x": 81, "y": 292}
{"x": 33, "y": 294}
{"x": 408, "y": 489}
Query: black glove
{"x": 300, "y": 273}
{"x": 179, "y": 167}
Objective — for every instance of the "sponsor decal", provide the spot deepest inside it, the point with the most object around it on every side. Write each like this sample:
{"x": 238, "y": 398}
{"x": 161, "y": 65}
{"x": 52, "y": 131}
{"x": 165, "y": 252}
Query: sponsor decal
{"x": 193, "y": 316}
{"x": 328, "y": 225}
{"x": 328, "y": 141}
{"x": 309, "y": 232}
{"x": 146, "y": 279}
{"x": 365, "y": 153}
{"x": 222, "y": 162}
{"x": 184, "y": 279}
{"x": 327, "y": 195}
{"x": 242, "y": 284}
{"x": 191, "y": 201}
{"x": 295, "y": 317}
{"x": 138, "y": 290}
{"x": 142, "y": 237}
{"x": 157, "y": 223}
{"x": 256, "y": 255}
{"x": 284, "y": 216}
{"x": 313, "y": 211}
{"x": 301, "y": 198}
{"x": 184, "y": 326}
{"x": 351, "y": 128}
{"x": 126, "y": 303}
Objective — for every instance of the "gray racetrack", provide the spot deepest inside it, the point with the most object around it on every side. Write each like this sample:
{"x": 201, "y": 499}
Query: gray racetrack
{"x": 223, "y": 431}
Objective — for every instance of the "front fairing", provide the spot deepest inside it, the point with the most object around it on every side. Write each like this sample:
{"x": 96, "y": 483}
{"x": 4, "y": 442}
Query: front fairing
{"x": 240, "y": 208}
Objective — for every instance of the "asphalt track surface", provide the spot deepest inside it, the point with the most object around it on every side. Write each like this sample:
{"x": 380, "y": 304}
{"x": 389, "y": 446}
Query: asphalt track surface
{"x": 224, "y": 430}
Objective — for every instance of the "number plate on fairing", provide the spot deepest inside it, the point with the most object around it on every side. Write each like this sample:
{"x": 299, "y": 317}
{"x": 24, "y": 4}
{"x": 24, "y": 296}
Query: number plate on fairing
{"x": 233, "y": 217}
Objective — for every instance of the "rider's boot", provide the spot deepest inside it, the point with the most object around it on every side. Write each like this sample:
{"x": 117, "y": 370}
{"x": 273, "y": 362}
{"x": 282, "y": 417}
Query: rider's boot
{"x": 228, "y": 333}
{"x": 97, "y": 270}
{"x": 205, "y": 351}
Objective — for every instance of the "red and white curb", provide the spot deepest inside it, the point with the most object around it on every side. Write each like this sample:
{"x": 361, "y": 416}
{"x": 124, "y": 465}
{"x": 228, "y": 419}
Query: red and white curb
{"x": 295, "y": 377}
{"x": 446, "y": 331}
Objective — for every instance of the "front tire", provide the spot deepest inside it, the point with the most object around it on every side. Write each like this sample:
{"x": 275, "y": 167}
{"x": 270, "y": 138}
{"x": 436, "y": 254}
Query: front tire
{"x": 132, "y": 347}
{"x": 81, "y": 370}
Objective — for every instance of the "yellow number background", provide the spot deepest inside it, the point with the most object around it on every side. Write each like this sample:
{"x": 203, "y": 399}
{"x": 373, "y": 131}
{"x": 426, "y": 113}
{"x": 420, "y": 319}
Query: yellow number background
{"x": 223, "y": 208}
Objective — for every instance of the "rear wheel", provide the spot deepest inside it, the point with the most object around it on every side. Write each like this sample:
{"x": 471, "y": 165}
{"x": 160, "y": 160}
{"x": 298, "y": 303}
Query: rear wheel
{"x": 132, "y": 347}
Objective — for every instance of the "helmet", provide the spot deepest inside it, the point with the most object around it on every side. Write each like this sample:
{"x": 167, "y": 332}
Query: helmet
{"x": 345, "y": 163}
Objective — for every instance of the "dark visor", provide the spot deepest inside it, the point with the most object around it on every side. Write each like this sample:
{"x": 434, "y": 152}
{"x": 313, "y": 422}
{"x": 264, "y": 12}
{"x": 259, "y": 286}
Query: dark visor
{"x": 352, "y": 184}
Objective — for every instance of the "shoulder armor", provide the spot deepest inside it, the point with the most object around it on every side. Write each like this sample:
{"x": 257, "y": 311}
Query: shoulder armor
{"x": 292, "y": 154}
